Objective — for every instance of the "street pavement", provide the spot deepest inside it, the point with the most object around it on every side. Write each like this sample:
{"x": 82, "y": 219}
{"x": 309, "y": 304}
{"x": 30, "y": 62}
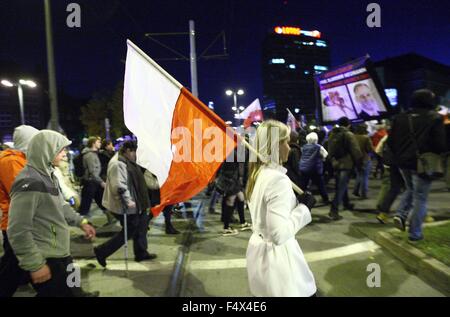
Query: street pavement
{"x": 201, "y": 262}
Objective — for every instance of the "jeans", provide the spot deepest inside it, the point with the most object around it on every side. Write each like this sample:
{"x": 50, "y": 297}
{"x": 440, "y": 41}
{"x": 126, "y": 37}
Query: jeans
{"x": 391, "y": 186}
{"x": 362, "y": 179}
{"x": 341, "y": 195}
{"x": 414, "y": 199}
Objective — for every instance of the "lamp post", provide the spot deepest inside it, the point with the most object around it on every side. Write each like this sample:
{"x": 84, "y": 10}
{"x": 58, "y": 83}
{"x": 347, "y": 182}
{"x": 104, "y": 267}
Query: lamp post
{"x": 19, "y": 85}
{"x": 234, "y": 93}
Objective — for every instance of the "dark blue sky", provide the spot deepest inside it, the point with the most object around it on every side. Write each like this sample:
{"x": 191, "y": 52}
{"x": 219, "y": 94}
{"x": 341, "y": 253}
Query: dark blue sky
{"x": 89, "y": 58}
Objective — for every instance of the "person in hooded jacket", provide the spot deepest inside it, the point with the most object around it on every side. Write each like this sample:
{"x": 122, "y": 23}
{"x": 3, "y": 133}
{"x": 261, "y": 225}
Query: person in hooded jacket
{"x": 420, "y": 130}
{"x": 39, "y": 219}
{"x": 12, "y": 161}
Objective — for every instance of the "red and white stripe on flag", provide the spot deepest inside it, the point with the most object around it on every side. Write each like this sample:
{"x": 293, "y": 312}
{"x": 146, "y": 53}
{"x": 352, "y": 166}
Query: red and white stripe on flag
{"x": 155, "y": 105}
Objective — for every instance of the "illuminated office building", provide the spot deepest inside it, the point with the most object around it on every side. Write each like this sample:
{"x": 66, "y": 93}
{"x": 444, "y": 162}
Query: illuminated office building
{"x": 291, "y": 56}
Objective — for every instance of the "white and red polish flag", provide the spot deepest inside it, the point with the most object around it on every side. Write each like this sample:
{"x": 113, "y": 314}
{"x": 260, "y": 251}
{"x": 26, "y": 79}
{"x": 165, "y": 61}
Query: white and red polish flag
{"x": 252, "y": 113}
{"x": 170, "y": 122}
{"x": 291, "y": 121}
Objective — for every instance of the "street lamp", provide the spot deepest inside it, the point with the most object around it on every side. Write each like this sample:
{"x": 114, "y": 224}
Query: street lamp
{"x": 233, "y": 93}
{"x": 22, "y": 82}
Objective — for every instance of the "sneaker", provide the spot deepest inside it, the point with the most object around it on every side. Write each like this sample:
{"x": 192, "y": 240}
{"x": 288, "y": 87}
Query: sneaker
{"x": 399, "y": 223}
{"x": 229, "y": 232}
{"x": 383, "y": 218}
{"x": 428, "y": 219}
{"x": 334, "y": 216}
{"x": 415, "y": 240}
{"x": 246, "y": 226}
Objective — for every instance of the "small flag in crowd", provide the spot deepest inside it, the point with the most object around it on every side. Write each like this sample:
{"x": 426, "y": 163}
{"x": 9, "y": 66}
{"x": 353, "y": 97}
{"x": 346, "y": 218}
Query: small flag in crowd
{"x": 252, "y": 113}
{"x": 292, "y": 122}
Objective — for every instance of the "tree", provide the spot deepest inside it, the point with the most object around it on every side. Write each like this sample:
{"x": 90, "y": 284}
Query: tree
{"x": 101, "y": 106}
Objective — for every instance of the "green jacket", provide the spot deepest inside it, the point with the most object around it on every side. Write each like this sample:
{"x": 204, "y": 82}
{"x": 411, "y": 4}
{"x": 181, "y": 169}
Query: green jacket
{"x": 352, "y": 154}
{"x": 39, "y": 217}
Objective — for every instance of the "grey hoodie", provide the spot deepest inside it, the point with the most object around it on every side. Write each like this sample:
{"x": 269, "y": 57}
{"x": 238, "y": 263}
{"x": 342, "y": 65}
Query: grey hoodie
{"x": 39, "y": 217}
{"x": 22, "y": 136}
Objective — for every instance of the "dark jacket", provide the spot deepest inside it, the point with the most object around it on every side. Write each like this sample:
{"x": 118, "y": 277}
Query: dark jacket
{"x": 429, "y": 134}
{"x": 311, "y": 161}
{"x": 292, "y": 164}
{"x": 346, "y": 143}
{"x": 365, "y": 145}
{"x": 229, "y": 179}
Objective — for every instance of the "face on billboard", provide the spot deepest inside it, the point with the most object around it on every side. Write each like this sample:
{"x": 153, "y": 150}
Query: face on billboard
{"x": 366, "y": 99}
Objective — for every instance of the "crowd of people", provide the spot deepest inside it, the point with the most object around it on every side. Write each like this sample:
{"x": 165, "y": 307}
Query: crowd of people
{"x": 43, "y": 191}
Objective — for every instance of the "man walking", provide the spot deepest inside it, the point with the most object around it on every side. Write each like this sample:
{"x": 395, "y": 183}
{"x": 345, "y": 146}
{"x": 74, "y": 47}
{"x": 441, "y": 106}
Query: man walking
{"x": 39, "y": 219}
{"x": 345, "y": 155}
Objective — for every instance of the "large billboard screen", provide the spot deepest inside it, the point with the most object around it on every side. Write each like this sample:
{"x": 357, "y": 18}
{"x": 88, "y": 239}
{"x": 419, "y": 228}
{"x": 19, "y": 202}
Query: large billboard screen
{"x": 351, "y": 91}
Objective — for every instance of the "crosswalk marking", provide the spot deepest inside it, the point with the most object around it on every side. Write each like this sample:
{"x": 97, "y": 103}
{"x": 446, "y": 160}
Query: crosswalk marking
{"x": 240, "y": 263}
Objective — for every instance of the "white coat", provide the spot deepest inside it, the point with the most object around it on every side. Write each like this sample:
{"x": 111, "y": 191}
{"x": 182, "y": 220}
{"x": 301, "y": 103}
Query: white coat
{"x": 275, "y": 263}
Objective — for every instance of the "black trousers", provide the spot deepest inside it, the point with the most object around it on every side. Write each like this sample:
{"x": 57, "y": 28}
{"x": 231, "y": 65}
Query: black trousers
{"x": 317, "y": 179}
{"x": 58, "y": 286}
{"x": 137, "y": 226}
{"x": 91, "y": 190}
{"x": 11, "y": 275}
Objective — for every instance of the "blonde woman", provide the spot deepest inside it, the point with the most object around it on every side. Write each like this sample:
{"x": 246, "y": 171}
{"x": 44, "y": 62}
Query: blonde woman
{"x": 275, "y": 263}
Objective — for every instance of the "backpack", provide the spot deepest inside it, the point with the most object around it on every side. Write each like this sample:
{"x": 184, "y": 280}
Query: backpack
{"x": 78, "y": 165}
{"x": 337, "y": 146}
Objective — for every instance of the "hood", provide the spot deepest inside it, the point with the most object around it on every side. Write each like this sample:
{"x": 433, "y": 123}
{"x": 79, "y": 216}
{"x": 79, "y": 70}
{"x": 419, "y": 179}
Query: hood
{"x": 43, "y": 149}
{"x": 22, "y": 136}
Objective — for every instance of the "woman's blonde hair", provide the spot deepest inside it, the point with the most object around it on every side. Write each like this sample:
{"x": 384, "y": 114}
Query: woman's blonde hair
{"x": 267, "y": 141}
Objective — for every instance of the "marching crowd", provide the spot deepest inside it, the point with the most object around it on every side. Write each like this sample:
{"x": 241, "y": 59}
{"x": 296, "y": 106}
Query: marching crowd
{"x": 40, "y": 195}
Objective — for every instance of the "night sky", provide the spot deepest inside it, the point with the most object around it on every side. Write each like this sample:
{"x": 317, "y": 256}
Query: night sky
{"x": 89, "y": 58}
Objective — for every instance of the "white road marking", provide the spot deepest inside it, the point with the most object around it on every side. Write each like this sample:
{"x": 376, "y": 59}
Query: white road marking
{"x": 240, "y": 263}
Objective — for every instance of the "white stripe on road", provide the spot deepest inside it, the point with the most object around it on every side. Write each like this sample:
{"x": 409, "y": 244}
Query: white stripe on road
{"x": 119, "y": 265}
{"x": 367, "y": 246}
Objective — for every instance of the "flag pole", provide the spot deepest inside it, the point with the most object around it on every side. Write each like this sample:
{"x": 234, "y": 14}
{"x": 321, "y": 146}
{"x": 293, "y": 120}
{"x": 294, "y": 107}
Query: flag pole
{"x": 297, "y": 189}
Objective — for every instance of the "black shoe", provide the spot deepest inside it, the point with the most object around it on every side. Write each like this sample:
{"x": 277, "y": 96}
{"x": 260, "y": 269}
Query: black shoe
{"x": 146, "y": 257}
{"x": 326, "y": 202}
{"x": 349, "y": 207}
{"x": 356, "y": 194}
{"x": 334, "y": 216}
{"x": 101, "y": 260}
{"x": 212, "y": 211}
{"x": 171, "y": 230}
{"x": 399, "y": 223}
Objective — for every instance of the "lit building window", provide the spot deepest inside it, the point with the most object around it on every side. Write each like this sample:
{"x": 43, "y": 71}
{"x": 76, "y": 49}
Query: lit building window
{"x": 277, "y": 61}
{"x": 306, "y": 72}
{"x": 320, "y": 68}
{"x": 292, "y": 66}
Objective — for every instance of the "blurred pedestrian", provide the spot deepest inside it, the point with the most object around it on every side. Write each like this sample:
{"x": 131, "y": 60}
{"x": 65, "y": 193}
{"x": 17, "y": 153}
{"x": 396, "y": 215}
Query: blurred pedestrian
{"x": 362, "y": 173}
{"x": 311, "y": 166}
{"x": 420, "y": 130}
